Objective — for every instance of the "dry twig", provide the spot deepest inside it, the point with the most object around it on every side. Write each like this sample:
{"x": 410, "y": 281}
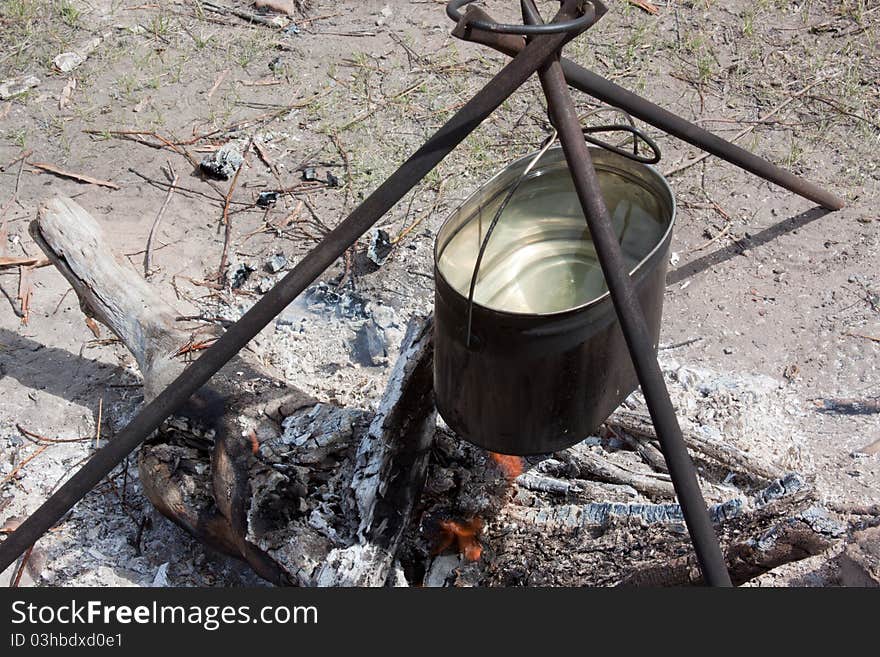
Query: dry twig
{"x": 863, "y": 336}
{"x": 218, "y": 82}
{"x": 646, "y": 6}
{"x": 79, "y": 177}
{"x": 173, "y": 177}
{"x": 12, "y": 475}
{"x": 18, "y": 158}
{"x": 27, "y": 261}
{"x": 25, "y": 292}
{"x": 406, "y": 231}
{"x": 224, "y": 256}
{"x": 99, "y": 421}
{"x": 21, "y": 567}
{"x": 37, "y": 438}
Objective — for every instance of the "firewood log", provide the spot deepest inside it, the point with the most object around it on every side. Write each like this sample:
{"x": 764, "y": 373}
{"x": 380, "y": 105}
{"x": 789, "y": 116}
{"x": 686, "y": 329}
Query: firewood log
{"x": 252, "y": 466}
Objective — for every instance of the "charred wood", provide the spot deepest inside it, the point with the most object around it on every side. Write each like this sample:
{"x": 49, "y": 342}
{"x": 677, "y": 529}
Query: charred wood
{"x": 253, "y": 467}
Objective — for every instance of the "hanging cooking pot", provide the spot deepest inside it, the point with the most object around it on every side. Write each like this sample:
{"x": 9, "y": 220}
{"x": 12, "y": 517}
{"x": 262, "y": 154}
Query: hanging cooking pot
{"x": 536, "y": 361}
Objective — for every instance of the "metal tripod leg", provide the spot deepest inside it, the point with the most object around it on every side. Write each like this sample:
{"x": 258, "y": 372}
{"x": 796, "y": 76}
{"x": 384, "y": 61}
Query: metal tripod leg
{"x": 643, "y": 109}
{"x": 631, "y": 317}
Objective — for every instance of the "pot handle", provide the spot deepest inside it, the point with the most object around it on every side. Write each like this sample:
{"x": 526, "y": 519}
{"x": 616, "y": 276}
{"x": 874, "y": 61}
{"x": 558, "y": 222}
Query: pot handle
{"x": 637, "y": 135}
{"x": 546, "y": 145}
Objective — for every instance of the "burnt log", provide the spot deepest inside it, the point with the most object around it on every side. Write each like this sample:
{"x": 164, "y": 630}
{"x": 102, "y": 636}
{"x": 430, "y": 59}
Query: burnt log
{"x": 252, "y": 466}
{"x": 639, "y": 426}
{"x": 753, "y": 544}
{"x": 311, "y": 493}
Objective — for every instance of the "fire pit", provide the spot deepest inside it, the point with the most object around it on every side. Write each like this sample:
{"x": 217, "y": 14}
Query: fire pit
{"x": 311, "y": 493}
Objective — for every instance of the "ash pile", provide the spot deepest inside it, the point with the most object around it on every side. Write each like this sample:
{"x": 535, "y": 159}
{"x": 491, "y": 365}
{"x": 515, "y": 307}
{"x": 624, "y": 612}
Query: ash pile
{"x": 600, "y": 513}
{"x": 316, "y": 456}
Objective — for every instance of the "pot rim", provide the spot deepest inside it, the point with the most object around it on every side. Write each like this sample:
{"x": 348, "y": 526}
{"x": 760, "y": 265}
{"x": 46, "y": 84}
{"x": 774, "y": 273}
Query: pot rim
{"x": 553, "y": 153}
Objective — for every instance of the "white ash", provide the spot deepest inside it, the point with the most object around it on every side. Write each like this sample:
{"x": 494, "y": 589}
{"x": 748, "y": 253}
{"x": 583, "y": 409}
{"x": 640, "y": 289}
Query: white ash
{"x": 97, "y": 543}
{"x": 310, "y": 345}
{"x": 758, "y": 414}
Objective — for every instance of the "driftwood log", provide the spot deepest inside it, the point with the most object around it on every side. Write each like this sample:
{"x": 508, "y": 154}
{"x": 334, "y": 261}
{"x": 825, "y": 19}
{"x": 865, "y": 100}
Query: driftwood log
{"x": 313, "y": 494}
{"x": 305, "y": 491}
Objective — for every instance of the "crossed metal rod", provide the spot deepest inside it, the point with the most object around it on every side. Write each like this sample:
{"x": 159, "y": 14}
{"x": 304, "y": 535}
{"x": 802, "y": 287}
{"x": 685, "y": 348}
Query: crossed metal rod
{"x": 539, "y": 54}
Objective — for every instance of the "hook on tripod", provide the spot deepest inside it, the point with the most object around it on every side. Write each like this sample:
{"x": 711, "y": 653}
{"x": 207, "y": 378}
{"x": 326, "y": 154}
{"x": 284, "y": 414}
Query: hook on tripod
{"x": 591, "y": 10}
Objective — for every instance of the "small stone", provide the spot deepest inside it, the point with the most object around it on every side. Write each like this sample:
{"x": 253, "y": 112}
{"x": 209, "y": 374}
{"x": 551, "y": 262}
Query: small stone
{"x": 224, "y": 162}
{"x": 67, "y": 61}
{"x": 309, "y": 174}
{"x": 385, "y": 14}
{"x": 380, "y": 247}
{"x": 332, "y": 181}
{"x": 276, "y": 263}
{"x": 238, "y": 273}
{"x": 267, "y": 199}
{"x": 728, "y": 351}
{"x": 17, "y": 86}
{"x": 791, "y": 372}
{"x": 368, "y": 346}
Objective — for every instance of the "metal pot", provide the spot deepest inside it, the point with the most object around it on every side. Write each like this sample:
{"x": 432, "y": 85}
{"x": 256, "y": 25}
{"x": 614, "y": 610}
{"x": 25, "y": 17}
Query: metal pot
{"x": 542, "y": 362}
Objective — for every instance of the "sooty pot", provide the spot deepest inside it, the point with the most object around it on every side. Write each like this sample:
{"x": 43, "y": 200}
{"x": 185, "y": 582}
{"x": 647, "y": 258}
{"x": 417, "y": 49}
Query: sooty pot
{"x": 541, "y": 362}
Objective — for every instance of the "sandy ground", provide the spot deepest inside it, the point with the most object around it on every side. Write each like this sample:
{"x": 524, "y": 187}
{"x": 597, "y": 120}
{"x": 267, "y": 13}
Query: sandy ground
{"x": 761, "y": 282}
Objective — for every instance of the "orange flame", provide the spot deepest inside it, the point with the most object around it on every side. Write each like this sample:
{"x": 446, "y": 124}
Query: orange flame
{"x": 255, "y": 444}
{"x": 511, "y": 466}
{"x": 465, "y": 534}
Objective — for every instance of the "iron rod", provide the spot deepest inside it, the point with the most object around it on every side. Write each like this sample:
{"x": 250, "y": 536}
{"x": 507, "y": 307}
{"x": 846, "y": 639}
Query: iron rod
{"x": 631, "y": 318}
{"x": 334, "y": 245}
{"x": 641, "y": 108}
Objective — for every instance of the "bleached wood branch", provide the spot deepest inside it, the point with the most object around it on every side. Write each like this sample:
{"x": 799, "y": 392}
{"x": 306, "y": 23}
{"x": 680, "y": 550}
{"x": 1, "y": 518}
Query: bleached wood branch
{"x": 110, "y": 291}
{"x": 592, "y": 464}
{"x": 639, "y": 426}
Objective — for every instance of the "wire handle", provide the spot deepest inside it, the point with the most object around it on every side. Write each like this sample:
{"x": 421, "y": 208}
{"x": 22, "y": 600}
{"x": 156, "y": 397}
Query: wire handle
{"x": 531, "y": 165}
{"x": 629, "y": 127}
{"x": 634, "y": 131}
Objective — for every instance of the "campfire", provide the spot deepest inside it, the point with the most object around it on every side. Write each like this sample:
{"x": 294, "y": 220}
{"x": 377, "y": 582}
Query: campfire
{"x": 312, "y": 493}
{"x": 309, "y": 491}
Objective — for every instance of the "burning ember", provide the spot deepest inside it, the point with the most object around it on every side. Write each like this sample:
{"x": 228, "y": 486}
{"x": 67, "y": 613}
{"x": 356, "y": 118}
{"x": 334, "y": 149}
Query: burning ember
{"x": 512, "y": 466}
{"x": 255, "y": 444}
{"x": 465, "y": 533}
